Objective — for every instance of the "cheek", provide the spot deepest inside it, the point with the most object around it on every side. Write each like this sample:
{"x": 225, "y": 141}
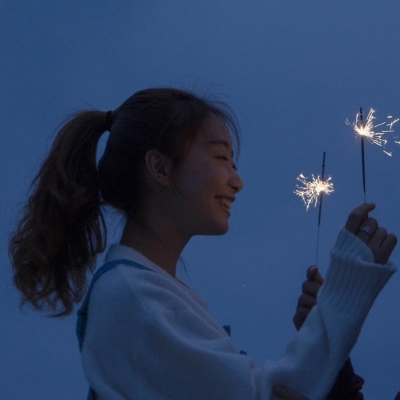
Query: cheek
{"x": 201, "y": 188}
{"x": 191, "y": 182}
{"x": 201, "y": 184}
{"x": 199, "y": 179}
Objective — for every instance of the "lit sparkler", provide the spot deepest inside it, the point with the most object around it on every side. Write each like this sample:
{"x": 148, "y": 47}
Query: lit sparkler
{"x": 373, "y": 133}
{"x": 312, "y": 189}
{"x": 370, "y": 131}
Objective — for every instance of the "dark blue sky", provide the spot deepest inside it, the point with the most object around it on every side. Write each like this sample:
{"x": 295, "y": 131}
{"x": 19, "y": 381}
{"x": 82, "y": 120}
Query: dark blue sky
{"x": 293, "y": 72}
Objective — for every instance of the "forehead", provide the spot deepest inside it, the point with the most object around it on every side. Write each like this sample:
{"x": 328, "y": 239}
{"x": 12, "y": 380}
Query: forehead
{"x": 215, "y": 134}
{"x": 215, "y": 129}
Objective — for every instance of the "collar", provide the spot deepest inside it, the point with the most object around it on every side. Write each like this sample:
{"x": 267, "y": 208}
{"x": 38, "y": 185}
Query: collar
{"x": 117, "y": 251}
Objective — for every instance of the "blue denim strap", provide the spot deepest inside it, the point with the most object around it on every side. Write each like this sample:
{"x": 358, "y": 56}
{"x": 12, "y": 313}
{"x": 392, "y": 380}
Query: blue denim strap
{"x": 227, "y": 329}
{"x": 83, "y": 310}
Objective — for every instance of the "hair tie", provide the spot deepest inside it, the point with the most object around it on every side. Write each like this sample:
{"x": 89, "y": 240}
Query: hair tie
{"x": 109, "y": 120}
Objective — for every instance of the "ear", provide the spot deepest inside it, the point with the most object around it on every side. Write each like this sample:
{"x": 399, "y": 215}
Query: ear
{"x": 158, "y": 167}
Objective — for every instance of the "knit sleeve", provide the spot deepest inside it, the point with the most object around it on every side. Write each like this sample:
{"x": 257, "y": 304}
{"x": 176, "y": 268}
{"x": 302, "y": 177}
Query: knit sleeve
{"x": 321, "y": 347}
{"x": 179, "y": 352}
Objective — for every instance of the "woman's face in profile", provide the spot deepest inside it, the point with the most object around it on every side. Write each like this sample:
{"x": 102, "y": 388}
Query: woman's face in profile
{"x": 208, "y": 179}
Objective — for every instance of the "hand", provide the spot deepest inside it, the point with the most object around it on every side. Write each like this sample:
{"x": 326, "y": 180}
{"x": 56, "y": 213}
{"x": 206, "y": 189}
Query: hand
{"x": 367, "y": 229}
{"x": 308, "y": 298}
{"x": 287, "y": 394}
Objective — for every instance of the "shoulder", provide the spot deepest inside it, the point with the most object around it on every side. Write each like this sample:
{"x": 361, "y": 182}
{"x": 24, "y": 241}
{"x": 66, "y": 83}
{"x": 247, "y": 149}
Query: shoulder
{"x": 120, "y": 302}
{"x": 126, "y": 299}
{"x": 125, "y": 286}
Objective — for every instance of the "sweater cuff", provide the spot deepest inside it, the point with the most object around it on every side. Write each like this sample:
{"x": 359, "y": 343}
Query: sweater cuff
{"x": 353, "y": 280}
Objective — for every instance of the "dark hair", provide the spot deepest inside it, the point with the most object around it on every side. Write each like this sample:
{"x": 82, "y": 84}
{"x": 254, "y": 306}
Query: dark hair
{"x": 62, "y": 228}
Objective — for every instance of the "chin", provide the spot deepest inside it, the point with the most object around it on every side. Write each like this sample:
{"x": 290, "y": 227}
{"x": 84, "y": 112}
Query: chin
{"x": 221, "y": 229}
{"x": 216, "y": 230}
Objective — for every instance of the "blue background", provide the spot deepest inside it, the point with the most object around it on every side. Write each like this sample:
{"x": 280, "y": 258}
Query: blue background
{"x": 293, "y": 71}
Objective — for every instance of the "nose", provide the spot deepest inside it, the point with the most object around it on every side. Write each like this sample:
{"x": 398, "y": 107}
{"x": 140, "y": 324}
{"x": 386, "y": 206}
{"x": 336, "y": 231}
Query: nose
{"x": 236, "y": 182}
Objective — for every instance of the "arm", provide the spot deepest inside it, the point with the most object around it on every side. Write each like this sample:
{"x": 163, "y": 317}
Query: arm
{"x": 347, "y": 385}
{"x": 180, "y": 340}
{"x": 341, "y": 307}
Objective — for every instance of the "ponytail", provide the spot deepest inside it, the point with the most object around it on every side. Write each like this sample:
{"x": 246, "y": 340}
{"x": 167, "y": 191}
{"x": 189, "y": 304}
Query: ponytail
{"x": 60, "y": 233}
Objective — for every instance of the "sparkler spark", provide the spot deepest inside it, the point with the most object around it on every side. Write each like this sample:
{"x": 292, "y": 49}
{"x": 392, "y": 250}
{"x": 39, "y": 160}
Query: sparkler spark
{"x": 312, "y": 189}
{"x": 369, "y": 131}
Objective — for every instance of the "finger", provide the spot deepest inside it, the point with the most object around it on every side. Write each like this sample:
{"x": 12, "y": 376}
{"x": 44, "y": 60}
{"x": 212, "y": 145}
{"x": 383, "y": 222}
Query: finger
{"x": 367, "y": 229}
{"x": 306, "y": 300}
{"x": 386, "y": 249}
{"x": 357, "y": 216}
{"x": 302, "y": 312}
{"x": 377, "y": 239}
{"x": 288, "y": 394}
{"x": 310, "y": 287}
{"x": 314, "y": 275}
{"x": 311, "y": 271}
{"x": 318, "y": 278}
{"x": 300, "y": 317}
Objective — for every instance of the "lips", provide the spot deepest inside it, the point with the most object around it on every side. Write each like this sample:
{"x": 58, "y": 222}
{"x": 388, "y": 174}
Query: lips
{"x": 230, "y": 198}
{"x": 224, "y": 202}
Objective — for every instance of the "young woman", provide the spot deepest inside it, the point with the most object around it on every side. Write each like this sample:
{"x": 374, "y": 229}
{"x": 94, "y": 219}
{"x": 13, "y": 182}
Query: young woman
{"x": 143, "y": 334}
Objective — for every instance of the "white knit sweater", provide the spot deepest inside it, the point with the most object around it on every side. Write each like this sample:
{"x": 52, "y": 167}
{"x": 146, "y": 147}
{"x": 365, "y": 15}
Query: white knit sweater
{"x": 150, "y": 337}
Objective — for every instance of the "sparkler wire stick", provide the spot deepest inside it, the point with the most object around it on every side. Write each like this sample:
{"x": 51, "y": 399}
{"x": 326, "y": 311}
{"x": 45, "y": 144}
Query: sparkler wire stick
{"x": 363, "y": 154}
{"x": 320, "y": 209}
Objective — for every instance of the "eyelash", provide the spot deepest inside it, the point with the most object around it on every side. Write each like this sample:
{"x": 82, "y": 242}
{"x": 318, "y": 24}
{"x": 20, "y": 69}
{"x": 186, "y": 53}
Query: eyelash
{"x": 226, "y": 159}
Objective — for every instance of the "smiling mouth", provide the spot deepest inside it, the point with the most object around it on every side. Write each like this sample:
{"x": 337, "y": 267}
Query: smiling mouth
{"x": 224, "y": 202}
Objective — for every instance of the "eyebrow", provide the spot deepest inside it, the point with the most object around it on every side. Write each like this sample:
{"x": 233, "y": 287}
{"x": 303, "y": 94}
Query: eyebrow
{"x": 223, "y": 142}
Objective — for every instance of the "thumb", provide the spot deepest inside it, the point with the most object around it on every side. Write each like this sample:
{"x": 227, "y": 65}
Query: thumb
{"x": 314, "y": 275}
{"x": 311, "y": 272}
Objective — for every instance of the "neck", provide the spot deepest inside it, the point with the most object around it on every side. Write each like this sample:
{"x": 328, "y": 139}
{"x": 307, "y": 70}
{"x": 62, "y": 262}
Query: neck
{"x": 159, "y": 242}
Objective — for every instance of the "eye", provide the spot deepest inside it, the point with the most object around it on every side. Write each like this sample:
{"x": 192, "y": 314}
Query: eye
{"x": 227, "y": 159}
